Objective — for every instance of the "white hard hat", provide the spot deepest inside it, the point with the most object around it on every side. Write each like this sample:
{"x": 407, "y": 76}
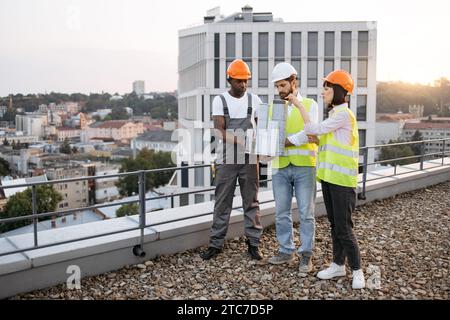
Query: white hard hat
{"x": 283, "y": 71}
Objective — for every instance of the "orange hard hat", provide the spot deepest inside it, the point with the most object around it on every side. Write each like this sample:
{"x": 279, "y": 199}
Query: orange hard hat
{"x": 238, "y": 69}
{"x": 342, "y": 78}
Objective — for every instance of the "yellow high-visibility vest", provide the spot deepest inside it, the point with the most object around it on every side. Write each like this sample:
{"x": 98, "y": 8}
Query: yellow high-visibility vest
{"x": 302, "y": 156}
{"x": 338, "y": 163}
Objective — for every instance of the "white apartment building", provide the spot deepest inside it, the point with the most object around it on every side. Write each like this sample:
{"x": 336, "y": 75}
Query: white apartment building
{"x": 155, "y": 140}
{"x": 436, "y": 128}
{"x": 118, "y": 130}
{"x": 32, "y": 124}
{"x": 139, "y": 87}
{"x": 105, "y": 189}
{"x": 313, "y": 48}
{"x": 74, "y": 194}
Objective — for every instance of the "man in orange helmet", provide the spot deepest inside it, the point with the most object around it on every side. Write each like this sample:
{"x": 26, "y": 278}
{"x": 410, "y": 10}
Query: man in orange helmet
{"x": 234, "y": 111}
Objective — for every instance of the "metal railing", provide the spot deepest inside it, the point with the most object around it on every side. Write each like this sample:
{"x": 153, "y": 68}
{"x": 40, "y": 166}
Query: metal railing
{"x": 422, "y": 156}
{"x": 138, "y": 250}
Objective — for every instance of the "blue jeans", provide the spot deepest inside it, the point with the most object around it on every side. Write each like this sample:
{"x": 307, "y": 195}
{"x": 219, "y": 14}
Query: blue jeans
{"x": 302, "y": 181}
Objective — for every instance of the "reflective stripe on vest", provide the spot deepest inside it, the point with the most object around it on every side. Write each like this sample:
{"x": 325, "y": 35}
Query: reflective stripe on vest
{"x": 341, "y": 151}
{"x": 339, "y": 169}
{"x": 299, "y": 152}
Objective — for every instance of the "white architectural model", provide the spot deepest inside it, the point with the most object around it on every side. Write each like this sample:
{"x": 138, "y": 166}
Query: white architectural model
{"x": 271, "y": 133}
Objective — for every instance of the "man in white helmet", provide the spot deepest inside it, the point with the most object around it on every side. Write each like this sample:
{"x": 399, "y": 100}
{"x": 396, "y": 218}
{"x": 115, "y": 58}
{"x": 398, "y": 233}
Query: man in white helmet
{"x": 294, "y": 173}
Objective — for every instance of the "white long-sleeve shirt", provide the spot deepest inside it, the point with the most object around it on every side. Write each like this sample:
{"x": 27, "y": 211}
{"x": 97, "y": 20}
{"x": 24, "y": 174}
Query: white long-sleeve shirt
{"x": 301, "y": 138}
{"x": 338, "y": 123}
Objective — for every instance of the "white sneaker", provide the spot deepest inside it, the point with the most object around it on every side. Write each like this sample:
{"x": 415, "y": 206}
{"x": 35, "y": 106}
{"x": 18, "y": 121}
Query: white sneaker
{"x": 331, "y": 272}
{"x": 358, "y": 280}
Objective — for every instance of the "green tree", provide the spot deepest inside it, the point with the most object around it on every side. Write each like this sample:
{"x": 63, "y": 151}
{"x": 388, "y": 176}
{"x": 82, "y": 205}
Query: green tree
{"x": 417, "y": 148}
{"x": 443, "y": 93}
{"x": 395, "y": 96}
{"x": 10, "y": 116}
{"x": 145, "y": 160}
{"x": 65, "y": 147}
{"x": 119, "y": 113}
{"x": 20, "y": 204}
{"x": 4, "y": 167}
{"x": 130, "y": 209}
{"x": 395, "y": 152}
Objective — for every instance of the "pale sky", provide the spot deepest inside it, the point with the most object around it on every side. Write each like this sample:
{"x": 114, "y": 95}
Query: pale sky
{"x": 104, "y": 45}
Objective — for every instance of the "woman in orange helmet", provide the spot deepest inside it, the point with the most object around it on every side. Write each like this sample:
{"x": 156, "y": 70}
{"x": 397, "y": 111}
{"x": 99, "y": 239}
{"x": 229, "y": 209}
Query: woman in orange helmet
{"x": 338, "y": 172}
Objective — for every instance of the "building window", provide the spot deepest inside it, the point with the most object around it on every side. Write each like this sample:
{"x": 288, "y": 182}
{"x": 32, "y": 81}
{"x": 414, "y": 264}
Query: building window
{"x": 264, "y": 98}
{"x": 184, "y": 200}
{"x": 362, "y": 108}
{"x": 279, "y": 47}
{"x": 263, "y": 80}
{"x": 346, "y": 64}
{"x": 313, "y": 44}
{"x": 296, "y": 50}
{"x": 263, "y": 65}
{"x": 362, "y": 73}
{"x": 346, "y": 44}
{"x": 217, "y": 60}
{"x": 362, "y": 138}
{"x": 230, "y": 48}
{"x": 312, "y": 73}
{"x": 329, "y": 44}
{"x": 363, "y": 44}
{"x": 313, "y": 49}
{"x": 328, "y": 67}
{"x": 329, "y": 53}
{"x": 199, "y": 198}
{"x": 346, "y": 51}
{"x": 312, "y": 96}
{"x": 199, "y": 177}
{"x": 247, "y": 52}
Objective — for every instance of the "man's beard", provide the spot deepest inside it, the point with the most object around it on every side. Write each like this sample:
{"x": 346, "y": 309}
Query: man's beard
{"x": 239, "y": 92}
{"x": 285, "y": 95}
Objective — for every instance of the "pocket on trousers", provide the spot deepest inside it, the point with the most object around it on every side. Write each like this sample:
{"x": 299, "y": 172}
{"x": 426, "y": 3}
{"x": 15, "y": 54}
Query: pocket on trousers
{"x": 223, "y": 173}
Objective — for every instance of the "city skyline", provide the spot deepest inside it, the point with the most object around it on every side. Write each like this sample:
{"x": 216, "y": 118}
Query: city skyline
{"x": 77, "y": 46}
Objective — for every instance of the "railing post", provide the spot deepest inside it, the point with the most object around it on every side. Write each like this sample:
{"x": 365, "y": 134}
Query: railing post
{"x": 422, "y": 155}
{"x": 35, "y": 220}
{"x": 362, "y": 195}
{"x": 139, "y": 249}
{"x": 395, "y": 162}
{"x": 443, "y": 151}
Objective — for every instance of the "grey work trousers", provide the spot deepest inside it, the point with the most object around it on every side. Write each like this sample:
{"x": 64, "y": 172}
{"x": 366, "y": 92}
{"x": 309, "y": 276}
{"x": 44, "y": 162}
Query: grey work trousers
{"x": 226, "y": 177}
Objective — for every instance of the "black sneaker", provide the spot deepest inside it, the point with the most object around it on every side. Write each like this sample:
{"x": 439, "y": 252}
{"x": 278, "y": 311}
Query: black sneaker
{"x": 210, "y": 253}
{"x": 254, "y": 252}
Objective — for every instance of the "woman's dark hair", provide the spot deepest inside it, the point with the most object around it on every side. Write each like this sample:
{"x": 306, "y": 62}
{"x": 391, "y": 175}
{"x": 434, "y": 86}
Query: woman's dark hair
{"x": 340, "y": 94}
